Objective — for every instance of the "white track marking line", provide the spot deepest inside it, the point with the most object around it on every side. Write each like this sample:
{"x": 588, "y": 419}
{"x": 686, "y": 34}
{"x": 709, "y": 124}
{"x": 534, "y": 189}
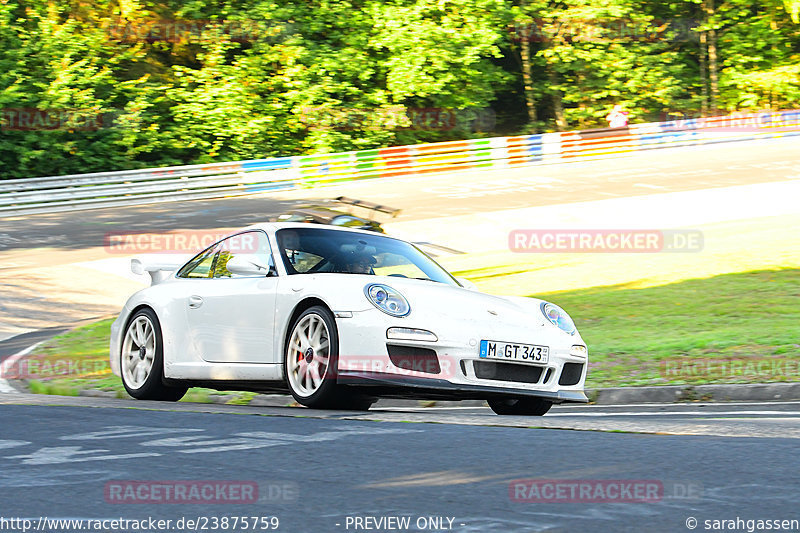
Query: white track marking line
{"x": 425, "y": 409}
{"x": 649, "y": 186}
{"x": 9, "y": 363}
{"x": 709, "y": 414}
{"x": 678, "y": 405}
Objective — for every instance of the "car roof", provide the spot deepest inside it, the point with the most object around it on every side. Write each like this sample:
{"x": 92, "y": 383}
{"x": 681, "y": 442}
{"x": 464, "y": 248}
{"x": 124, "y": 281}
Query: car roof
{"x": 326, "y": 214}
{"x": 275, "y": 226}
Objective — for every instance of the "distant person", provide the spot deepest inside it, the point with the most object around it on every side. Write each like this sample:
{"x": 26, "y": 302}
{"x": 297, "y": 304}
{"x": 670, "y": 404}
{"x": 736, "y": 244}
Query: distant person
{"x": 617, "y": 118}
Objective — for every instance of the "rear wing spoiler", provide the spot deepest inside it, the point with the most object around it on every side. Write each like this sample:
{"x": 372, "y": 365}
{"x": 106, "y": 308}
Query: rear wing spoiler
{"x": 369, "y": 205}
{"x": 159, "y": 268}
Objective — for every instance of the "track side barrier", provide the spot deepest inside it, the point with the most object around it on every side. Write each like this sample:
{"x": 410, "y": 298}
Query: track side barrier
{"x": 147, "y": 186}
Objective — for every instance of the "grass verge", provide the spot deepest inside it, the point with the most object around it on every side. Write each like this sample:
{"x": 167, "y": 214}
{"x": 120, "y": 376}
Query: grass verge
{"x": 732, "y": 328}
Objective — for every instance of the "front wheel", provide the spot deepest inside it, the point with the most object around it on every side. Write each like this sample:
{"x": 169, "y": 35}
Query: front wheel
{"x": 520, "y": 406}
{"x": 142, "y": 360}
{"x": 312, "y": 354}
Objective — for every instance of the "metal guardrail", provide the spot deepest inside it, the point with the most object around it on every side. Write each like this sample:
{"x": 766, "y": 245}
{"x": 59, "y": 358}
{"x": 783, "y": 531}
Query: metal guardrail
{"x": 166, "y": 184}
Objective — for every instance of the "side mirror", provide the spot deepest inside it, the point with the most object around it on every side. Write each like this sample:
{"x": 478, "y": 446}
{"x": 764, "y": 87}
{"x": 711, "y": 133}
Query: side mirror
{"x": 467, "y": 284}
{"x": 248, "y": 265}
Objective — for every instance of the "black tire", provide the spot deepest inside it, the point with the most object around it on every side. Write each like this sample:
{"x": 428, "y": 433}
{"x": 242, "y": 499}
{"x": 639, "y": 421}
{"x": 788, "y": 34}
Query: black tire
{"x": 151, "y": 387}
{"x": 351, "y": 400}
{"x": 300, "y": 356}
{"x": 520, "y": 406}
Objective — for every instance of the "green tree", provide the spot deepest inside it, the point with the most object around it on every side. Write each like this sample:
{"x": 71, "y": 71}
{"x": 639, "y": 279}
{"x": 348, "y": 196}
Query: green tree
{"x": 179, "y": 82}
{"x": 759, "y": 48}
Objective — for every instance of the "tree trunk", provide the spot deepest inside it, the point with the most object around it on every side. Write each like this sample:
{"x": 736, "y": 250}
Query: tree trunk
{"x": 713, "y": 74}
{"x": 703, "y": 74}
{"x": 558, "y": 107}
{"x": 527, "y": 78}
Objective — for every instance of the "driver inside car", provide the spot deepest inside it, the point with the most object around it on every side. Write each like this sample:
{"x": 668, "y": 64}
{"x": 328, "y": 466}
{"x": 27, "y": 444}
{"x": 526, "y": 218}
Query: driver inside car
{"x": 360, "y": 264}
{"x": 355, "y": 258}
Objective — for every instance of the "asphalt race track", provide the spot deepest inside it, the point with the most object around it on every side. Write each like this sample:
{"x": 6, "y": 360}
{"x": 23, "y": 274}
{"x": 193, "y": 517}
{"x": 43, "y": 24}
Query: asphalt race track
{"x": 64, "y": 459}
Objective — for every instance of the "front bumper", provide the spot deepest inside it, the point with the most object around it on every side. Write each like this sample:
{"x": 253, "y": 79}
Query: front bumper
{"x": 390, "y": 385}
{"x": 451, "y": 366}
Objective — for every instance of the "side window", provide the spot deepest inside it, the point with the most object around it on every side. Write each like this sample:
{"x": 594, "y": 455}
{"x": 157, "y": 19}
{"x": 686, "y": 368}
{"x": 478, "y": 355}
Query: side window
{"x": 303, "y": 261}
{"x": 201, "y": 266}
{"x": 296, "y": 259}
{"x": 249, "y": 249}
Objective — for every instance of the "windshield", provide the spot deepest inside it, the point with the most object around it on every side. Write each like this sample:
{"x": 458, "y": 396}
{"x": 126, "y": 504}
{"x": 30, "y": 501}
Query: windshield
{"x": 316, "y": 250}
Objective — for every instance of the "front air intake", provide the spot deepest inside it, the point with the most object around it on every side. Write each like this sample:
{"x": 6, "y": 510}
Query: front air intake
{"x": 571, "y": 374}
{"x": 507, "y": 372}
{"x": 414, "y": 358}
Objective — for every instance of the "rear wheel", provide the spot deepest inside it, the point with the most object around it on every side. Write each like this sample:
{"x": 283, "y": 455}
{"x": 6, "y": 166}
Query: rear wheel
{"x": 142, "y": 360}
{"x": 312, "y": 354}
{"x": 520, "y": 406}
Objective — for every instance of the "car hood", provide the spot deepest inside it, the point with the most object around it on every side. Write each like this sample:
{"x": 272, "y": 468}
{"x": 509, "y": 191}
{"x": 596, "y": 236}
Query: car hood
{"x": 453, "y": 310}
{"x": 450, "y": 310}
{"x": 458, "y": 302}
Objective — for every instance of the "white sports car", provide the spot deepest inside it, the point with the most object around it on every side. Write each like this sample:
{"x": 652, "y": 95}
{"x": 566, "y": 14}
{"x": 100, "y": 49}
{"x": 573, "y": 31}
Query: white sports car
{"x": 340, "y": 317}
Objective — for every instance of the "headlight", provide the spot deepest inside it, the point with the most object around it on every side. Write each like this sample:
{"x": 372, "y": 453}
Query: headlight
{"x": 558, "y": 317}
{"x": 387, "y": 299}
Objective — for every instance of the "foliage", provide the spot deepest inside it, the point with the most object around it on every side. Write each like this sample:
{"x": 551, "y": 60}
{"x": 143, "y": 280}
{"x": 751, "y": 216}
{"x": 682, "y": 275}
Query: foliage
{"x": 117, "y": 84}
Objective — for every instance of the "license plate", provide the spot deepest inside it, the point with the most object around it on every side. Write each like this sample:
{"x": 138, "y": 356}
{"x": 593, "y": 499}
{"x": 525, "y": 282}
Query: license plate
{"x": 509, "y": 351}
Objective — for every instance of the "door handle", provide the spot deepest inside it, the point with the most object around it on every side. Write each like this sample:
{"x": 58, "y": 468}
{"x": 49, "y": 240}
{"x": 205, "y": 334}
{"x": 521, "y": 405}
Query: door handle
{"x": 195, "y": 302}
